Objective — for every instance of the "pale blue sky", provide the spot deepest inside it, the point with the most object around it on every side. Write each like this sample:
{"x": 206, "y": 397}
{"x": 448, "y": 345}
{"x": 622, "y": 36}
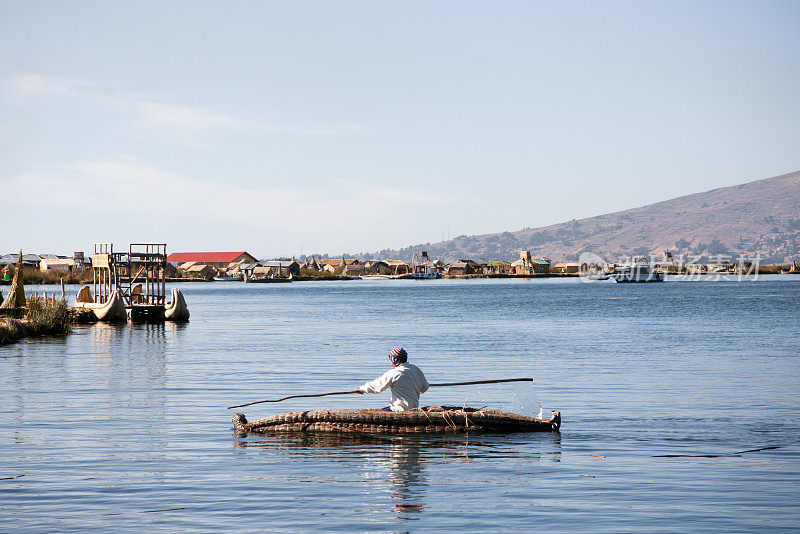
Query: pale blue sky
{"x": 355, "y": 126}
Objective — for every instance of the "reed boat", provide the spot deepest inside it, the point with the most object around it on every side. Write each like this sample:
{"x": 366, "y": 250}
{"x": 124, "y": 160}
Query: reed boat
{"x": 111, "y": 310}
{"x": 427, "y": 419}
{"x": 176, "y": 309}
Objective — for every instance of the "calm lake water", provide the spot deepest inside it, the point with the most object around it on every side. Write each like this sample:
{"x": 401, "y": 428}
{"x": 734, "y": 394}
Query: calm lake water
{"x": 679, "y": 401}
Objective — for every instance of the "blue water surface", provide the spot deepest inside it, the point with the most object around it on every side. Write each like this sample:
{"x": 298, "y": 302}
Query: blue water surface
{"x": 679, "y": 401}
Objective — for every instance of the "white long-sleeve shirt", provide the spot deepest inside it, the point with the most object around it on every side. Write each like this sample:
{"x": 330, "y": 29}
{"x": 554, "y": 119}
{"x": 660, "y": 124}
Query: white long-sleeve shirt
{"x": 406, "y": 382}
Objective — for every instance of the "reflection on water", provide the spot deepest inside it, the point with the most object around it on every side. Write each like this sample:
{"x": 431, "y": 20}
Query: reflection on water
{"x": 403, "y": 469}
{"x": 396, "y": 464}
{"x": 105, "y": 336}
{"x": 129, "y": 379}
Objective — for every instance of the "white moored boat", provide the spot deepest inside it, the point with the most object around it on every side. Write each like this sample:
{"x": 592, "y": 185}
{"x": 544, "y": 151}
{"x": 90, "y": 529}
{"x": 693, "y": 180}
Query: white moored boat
{"x": 636, "y": 271}
{"x": 422, "y": 268}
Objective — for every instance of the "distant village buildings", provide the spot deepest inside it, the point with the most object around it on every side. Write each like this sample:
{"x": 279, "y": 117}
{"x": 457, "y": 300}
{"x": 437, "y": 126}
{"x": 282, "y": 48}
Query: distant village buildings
{"x": 570, "y": 267}
{"x": 220, "y": 260}
{"x": 528, "y": 265}
{"x": 46, "y": 262}
{"x": 66, "y": 265}
{"x": 283, "y": 268}
{"x": 242, "y": 264}
{"x": 238, "y": 265}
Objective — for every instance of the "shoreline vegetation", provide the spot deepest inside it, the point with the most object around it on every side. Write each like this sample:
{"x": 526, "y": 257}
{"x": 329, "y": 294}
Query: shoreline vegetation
{"x": 25, "y": 316}
{"x": 35, "y": 276}
{"x": 42, "y": 316}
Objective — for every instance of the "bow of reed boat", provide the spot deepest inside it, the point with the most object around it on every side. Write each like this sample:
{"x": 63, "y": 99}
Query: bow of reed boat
{"x": 428, "y": 419}
{"x": 176, "y": 310}
{"x": 113, "y": 309}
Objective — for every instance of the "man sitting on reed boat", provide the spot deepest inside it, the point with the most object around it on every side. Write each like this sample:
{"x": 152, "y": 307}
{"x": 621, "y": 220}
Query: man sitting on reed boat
{"x": 406, "y": 381}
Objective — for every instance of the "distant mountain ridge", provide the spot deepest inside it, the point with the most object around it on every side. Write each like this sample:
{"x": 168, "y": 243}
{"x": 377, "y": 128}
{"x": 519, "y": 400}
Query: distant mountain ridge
{"x": 760, "y": 217}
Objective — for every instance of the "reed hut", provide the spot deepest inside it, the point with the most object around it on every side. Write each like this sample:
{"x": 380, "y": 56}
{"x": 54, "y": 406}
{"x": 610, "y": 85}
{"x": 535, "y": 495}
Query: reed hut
{"x": 498, "y": 267}
{"x": 283, "y": 268}
{"x": 398, "y": 267}
{"x": 260, "y": 271}
{"x": 15, "y": 300}
{"x": 354, "y": 270}
{"x": 201, "y": 270}
{"x": 310, "y": 265}
{"x": 377, "y": 267}
{"x": 462, "y": 268}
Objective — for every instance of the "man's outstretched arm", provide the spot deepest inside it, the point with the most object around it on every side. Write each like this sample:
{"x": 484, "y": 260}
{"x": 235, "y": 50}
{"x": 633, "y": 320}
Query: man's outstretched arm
{"x": 379, "y": 384}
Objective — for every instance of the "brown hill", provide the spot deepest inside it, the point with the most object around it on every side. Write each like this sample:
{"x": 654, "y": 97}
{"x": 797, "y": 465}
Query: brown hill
{"x": 761, "y": 217}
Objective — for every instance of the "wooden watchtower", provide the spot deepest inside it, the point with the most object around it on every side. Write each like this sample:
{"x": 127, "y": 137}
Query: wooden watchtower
{"x": 139, "y": 275}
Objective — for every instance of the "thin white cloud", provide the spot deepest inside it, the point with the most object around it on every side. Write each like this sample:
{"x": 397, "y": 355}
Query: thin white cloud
{"x": 149, "y": 110}
{"x": 40, "y": 85}
{"x": 146, "y": 109}
{"x": 123, "y": 185}
{"x": 189, "y": 117}
{"x": 321, "y": 128}
{"x": 408, "y": 196}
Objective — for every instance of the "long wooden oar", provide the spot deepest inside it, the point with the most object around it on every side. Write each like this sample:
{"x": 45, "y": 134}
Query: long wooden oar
{"x": 356, "y": 391}
{"x": 483, "y": 382}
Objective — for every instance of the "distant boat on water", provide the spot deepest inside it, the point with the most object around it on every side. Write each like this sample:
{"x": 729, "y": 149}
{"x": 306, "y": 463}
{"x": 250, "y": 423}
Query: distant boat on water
{"x": 635, "y": 271}
{"x": 422, "y": 268}
{"x": 272, "y": 279}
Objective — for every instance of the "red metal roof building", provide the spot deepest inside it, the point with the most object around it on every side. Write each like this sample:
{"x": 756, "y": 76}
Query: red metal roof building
{"x": 217, "y": 259}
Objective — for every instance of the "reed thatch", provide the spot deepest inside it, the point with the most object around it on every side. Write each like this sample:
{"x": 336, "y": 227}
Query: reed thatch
{"x": 16, "y": 295}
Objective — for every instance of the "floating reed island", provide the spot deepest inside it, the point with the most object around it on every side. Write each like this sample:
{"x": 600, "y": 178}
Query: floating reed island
{"x": 427, "y": 419}
{"x": 42, "y": 316}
